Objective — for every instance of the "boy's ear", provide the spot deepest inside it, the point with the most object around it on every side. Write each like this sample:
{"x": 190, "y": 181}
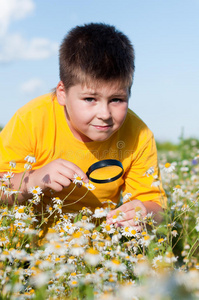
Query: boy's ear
{"x": 61, "y": 93}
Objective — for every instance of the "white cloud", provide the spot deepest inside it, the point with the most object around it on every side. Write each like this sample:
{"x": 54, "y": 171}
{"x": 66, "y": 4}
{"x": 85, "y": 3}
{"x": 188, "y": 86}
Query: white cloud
{"x": 31, "y": 86}
{"x": 11, "y": 10}
{"x": 15, "y": 47}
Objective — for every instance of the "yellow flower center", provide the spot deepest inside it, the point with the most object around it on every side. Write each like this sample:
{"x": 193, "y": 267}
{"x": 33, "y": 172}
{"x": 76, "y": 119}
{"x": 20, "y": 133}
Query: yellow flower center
{"x": 3, "y": 240}
{"x": 115, "y": 261}
{"x": 77, "y": 235}
{"x": 167, "y": 165}
{"x": 161, "y": 240}
{"x": 143, "y": 232}
{"x": 92, "y": 251}
{"x": 133, "y": 231}
{"x": 108, "y": 227}
{"x": 34, "y": 191}
{"x": 178, "y": 186}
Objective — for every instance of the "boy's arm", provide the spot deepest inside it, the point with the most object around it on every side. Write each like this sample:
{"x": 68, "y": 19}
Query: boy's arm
{"x": 56, "y": 175}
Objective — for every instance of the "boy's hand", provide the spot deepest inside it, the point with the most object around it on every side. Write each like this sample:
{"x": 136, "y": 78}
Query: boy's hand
{"x": 129, "y": 210}
{"x": 56, "y": 175}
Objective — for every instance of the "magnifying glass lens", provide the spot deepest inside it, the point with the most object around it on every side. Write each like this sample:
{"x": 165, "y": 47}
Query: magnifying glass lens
{"x": 105, "y": 171}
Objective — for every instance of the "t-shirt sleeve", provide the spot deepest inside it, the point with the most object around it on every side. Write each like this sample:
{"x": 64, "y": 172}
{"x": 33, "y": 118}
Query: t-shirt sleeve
{"x": 15, "y": 144}
{"x": 139, "y": 181}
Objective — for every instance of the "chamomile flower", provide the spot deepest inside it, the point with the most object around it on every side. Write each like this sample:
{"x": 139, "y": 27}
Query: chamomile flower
{"x": 92, "y": 256}
{"x": 19, "y": 224}
{"x": 129, "y": 231}
{"x": 89, "y": 186}
{"x": 146, "y": 239}
{"x": 157, "y": 261}
{"x": 77, "y": 179}
{"x": 115, "y": 265}
{"x": 108, "y": 228}
{"x": 177, "y": 190}
{"x": 30, "y": 159}
{"x": 4, "y": 241}
{"x": 119, "y": 216}
{"x": 8, "y": 176}
{"x": 28, "y": 166}
{"x": 156, "y": 181}
{"x": 78, "y": 238}
{"x": 57, "y": 200}
{"x": 36, "y": 190}
{"x": 73, "y": 283}
{"x": 14, "y": 192}
{"x": 86, "y": 211}
{"x": 169, "y": 168}
{"x": 100, "y": 212}
{"x": 57, "y": 208}
{"x": 149, "y": 172}
{"x": 170, "y": 258}
{"x": 116, "y": 237}
{"x": 127, "y": 197}
{"x": 76, "y": 250}
{"x": 20, "y": 213}
{"x": 12, "y": 164}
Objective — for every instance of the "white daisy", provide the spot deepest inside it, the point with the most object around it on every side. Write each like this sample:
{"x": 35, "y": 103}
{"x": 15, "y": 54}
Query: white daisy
{"x": 108, "y": 228}
{"x": 28, "y": 166}
{"x": 156, "y": 183}
{"x": 149, "y": 172}
{"x": 19, "y": 224}
{"x": 115, "y": 265}
{"x": 4, "y": 241}
{"x": 100, "y": 212}
{"x": 76, "y": 250}
{"x": 169, "y": 168}
{"x": 20, "y": 213}
{"x": 127, "y": 197}
{"x": 89, "y": 186}
{"x": 8, "y": 176}
{"x": 12, "y": 163}
{"x": 92, "y": 256}
{"x": 77, "y": 179}
{"x": 30, "y": 159}
{"x": 36, "y": 190}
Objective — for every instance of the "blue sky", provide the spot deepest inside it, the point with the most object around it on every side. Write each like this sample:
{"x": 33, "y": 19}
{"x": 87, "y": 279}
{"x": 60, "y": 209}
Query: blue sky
{"x": 165, "y": 35}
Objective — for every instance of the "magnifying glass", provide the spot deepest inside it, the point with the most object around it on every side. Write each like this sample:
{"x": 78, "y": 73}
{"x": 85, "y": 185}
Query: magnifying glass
{"x": 104, "y": 171}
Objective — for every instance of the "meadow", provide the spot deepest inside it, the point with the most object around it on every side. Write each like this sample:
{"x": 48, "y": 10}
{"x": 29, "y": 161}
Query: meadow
{"x": 83, "y": 257}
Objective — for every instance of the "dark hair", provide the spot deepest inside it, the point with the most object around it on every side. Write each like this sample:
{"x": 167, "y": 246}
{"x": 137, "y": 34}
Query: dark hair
{"x": 96, "y": 51}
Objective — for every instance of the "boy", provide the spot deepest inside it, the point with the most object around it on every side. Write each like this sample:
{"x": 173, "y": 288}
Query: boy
{"x": 86, "y": 120}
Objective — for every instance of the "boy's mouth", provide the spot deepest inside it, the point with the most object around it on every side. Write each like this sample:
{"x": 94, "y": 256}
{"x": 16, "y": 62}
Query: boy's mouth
{"x": 102, "y": 128}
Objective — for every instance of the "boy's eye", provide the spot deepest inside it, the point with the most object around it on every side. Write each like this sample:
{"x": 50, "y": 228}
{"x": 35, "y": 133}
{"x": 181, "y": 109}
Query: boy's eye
{"x": 89, "y": 99}
{"x": 117, "y": 100}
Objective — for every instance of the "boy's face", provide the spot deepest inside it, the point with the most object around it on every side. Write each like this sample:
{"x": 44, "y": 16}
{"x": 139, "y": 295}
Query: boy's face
{"x": 94, "y": 112}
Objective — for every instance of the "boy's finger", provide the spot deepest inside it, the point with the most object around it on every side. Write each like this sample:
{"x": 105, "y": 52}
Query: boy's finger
{"x": 75, "y": 171}
{"x": 123, "y": 208}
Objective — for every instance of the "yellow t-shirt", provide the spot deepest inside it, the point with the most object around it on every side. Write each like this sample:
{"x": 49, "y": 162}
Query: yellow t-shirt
{"x": 40, "y": 128}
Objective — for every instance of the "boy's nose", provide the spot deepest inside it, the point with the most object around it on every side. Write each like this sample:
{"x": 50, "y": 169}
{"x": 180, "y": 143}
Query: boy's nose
{"x": 104, "y": 112}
